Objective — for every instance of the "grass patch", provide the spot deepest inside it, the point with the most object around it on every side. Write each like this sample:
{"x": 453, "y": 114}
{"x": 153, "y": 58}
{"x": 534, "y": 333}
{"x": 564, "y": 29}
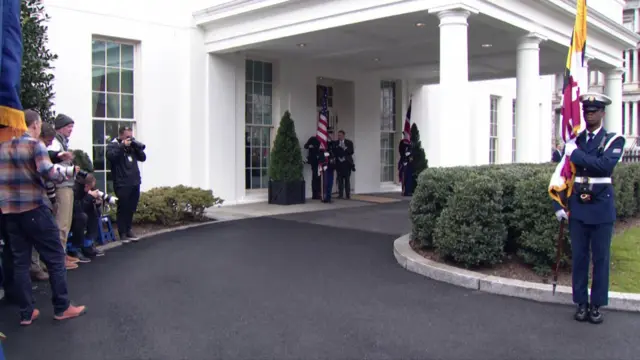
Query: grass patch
{"x": 625, "y": 261}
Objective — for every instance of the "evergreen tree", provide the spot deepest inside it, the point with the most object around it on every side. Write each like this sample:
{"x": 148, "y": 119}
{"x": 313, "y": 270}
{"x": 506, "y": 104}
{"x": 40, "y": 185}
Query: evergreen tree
{"x": 286, "y": 163}
{"x": 36, "y": 87}
{"x": 420, "y": 161}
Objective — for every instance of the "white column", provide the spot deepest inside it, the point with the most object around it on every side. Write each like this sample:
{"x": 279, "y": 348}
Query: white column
{"x": 634, "y": 118}
{"x": 627, "y": 117}
{"x": 633, "y": 76}
{"x": 454, "y": 114}
{"x": 528, "y": 98}
{"x": 613, "y": 89}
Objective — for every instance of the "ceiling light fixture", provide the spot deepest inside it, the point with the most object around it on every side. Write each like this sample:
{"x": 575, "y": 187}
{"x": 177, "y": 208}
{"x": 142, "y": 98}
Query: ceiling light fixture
{"x": 419, "y": 24}
{"x": 486, "y": 45}
{"x": 301, "y": 45}
{"x": 376, "y": 59}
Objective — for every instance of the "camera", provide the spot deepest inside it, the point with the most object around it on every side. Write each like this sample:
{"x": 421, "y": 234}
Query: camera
{"x": 107, "y": 198}
{"x": 67, "y": 171}
{"x": 83, "y": 174}
{"x": 137, "y": 143}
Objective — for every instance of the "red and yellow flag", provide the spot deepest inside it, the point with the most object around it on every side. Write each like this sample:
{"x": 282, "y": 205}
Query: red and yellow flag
{"x": 575, "y": 77}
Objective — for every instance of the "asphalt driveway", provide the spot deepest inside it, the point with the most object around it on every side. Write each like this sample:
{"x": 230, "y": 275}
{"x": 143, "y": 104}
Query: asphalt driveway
{"x": 298, "y": 287}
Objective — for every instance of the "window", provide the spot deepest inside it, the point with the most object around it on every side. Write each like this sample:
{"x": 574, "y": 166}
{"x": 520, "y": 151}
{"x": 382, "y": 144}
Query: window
{"x": 513, "y": 131}
{"x": 320, "y": 93}
{"x": 258, "y": 123}
{"x": 627, "y": 19}
{"x": 387, "y": 130}
{"x": 112, "y": 100}
{"x": 493, "y": 130}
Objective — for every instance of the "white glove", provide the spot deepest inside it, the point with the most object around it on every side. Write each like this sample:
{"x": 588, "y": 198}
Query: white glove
{"x": 569, "y": 147}
{"x": 561, "y": 214}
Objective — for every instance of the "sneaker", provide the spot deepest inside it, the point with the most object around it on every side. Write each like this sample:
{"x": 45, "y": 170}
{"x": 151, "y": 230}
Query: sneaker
{"x": 39, "y": 275}
{"x": 34, "y": 316}
{"x": 71, "y": 312}
{"x": 97, "y": 251}
{"x": 89, "y": 252}
{"x": 72, "y": 259}
{"x": 70, "y": 265}
{"x": 132, "y": 236}
{"x": 82, "y": 258}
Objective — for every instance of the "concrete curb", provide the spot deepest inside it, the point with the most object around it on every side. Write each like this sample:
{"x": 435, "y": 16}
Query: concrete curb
{"x": 416, "y": 263}
{"x": 117, "y": 243}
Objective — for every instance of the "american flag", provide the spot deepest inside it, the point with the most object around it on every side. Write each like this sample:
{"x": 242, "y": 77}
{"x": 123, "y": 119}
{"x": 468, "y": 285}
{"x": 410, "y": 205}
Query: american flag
{"x": 561, "y": 183}
{"x": 406, "y": 132}
{"x": 321, "y": 132}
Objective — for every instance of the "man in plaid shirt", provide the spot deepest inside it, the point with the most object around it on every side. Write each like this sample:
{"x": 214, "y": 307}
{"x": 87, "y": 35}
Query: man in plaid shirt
{"x": 24, "y": 164}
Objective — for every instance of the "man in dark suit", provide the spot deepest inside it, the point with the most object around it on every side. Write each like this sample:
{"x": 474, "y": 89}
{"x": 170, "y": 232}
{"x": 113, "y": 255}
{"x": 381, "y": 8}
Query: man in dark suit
{"x": 556, "y": 155}
{"x": 592, "y": 211}
{"x": 313, "y": 159}
{"x": 344, "y": 164}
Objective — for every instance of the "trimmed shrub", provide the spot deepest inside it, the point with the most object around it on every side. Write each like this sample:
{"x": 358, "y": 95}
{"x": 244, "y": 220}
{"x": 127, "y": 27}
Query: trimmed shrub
{"x": 172, "y": 205}
{"x": 455, "y": 216}
{"x": 471, "y": 231}
{"x": 434, "y": 189}
{"x": 536, "y": 225}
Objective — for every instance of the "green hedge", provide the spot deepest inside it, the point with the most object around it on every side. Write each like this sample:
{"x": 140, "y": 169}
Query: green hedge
{"x": 172, "y": 205}
{"x": 474, "y": 216}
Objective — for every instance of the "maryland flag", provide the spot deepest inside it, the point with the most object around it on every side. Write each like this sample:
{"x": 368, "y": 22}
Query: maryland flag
{"x": 562, "y": 180}
{"x": 11, "y": 115}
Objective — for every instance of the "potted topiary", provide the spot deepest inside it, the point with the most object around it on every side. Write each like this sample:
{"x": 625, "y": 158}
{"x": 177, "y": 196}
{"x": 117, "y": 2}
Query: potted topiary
{"x": 286, "y": 180}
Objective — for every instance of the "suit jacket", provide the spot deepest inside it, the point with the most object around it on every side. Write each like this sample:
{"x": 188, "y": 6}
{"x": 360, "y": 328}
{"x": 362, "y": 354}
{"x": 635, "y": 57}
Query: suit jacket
{"x": 346, "y": 153}
{"x": 591, "y": 162}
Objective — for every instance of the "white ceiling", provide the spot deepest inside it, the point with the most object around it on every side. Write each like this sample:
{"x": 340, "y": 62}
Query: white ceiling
{"x": 396, "y": 47}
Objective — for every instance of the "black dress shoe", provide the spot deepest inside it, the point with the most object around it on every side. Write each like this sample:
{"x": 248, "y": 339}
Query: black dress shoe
{"x": 595, "y": 316}
{"x": 582, "y": 313}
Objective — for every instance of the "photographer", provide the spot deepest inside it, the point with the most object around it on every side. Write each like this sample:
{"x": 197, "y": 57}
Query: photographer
{"x": 86, "y": 215}
{"x": 123, "y": 155}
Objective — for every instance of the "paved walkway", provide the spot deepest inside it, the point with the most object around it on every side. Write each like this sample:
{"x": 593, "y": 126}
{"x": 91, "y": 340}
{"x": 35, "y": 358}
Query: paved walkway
{"x": 304, "y": 286}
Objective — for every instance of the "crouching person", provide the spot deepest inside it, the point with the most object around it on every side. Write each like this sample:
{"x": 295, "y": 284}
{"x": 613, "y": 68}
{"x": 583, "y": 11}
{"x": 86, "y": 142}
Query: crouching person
{"x": 86, "y": 217}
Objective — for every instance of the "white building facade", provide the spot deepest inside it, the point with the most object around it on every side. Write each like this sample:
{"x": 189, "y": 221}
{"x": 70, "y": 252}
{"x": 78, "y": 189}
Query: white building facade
{"x": 204, "y": 85}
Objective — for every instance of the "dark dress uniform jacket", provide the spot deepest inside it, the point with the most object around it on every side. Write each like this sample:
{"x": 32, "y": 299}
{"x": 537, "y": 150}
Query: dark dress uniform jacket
{"x": 595, "y": 162}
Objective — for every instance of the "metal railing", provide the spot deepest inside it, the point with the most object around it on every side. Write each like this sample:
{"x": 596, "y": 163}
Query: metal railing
{"x": 631, "y": 156}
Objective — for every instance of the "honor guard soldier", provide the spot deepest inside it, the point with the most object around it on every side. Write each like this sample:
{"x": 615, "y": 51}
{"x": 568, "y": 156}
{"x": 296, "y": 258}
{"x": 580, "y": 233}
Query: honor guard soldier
{"x": 592, "y": 213}
{"x": 405, "y": 167}
{"x": 313, "y": 158}
{"x": 329, "y": 159}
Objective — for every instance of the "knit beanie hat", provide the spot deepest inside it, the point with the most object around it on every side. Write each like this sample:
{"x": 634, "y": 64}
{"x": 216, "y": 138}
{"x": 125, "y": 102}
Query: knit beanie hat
{"x": 62, "y": 120}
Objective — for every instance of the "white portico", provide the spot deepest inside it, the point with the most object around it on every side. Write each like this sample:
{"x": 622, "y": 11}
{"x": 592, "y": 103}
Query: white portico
{"x": 438, "y": 52}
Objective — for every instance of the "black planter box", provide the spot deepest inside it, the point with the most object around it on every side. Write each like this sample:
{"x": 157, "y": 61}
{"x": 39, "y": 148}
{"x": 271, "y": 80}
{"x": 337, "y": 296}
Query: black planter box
{"x": 287, "y": 192}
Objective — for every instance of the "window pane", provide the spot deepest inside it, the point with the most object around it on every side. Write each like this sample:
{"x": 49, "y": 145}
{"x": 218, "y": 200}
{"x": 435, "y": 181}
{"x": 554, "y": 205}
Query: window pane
{"x": 98, "y": 52}
{"x": 99, "y": 79}
{"x": 248, "y": 113}
{"x": 100, "y": 180}
{"x": 98, "y": 158}
{"x": 98, "y": 104}
{"x": 267, "y": 119}
{"x": 257, "y": 71}
{"x": 255, "y": 137}
{"x": 255, "y": 179}
{"x": 109, "y": 189}
{"x": 113, "y": 105}
{"x": 127, "y": 81}
{"x": 266, "y": 132}
{"x": 113, "y": 54}
{"x": 113, "y": 80}
{"x": 248, "y": 91}
{"x": 127, "y": 106}
{"x": 265, "y": 179}
{"x": 110, "y": 130}
{"x": 98, "y": 132}
{"x": 127, "y": 56}
{"x": 249, "y": 69}
{"x": 268, "y": 76}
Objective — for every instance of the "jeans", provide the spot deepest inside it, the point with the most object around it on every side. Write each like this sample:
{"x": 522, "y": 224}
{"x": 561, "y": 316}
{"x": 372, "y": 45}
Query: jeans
{"x": 84, "y": 221}
{"x": 6, "y": 270}
{"x": 37, "y": 228}
{"x": 128, "y": 197}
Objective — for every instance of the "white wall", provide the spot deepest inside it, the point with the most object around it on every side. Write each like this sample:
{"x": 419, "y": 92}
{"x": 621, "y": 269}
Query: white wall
{"x": 427, "y": 107}
{"x": 169, "y": 68}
